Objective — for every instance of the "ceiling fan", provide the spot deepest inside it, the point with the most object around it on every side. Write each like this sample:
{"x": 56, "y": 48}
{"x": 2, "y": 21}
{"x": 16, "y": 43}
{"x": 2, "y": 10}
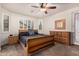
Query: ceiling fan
{"x": 44, "y": 7}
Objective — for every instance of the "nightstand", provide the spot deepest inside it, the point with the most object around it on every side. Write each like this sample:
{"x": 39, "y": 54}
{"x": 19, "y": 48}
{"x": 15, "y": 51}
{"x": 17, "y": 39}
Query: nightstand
{"x": 12, "y": 39}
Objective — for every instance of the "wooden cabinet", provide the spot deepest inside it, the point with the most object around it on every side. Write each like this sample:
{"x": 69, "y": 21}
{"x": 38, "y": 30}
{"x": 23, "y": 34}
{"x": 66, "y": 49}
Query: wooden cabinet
{"x": 61, "y": 37}
{"x": 12, "y": 39}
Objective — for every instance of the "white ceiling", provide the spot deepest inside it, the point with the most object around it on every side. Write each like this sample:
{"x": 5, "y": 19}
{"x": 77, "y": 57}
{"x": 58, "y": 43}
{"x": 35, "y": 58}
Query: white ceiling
{"x": 26, "y": 9}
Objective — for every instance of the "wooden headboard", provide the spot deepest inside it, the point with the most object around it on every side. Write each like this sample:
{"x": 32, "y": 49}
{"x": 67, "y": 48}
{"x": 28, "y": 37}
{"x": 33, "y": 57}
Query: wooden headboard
{"x": 23, "y": 31}
{"x": 27, "y": 30}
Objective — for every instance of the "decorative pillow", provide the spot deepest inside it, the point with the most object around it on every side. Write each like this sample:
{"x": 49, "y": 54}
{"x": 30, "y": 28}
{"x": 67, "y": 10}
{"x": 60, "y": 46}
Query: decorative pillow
{"x": 35, "y": 33}
{"x": 24, "y": 34}
{"x": 31, "y": 33}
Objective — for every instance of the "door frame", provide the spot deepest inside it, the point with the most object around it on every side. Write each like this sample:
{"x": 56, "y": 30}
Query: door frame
{"x": 74, "y": 28}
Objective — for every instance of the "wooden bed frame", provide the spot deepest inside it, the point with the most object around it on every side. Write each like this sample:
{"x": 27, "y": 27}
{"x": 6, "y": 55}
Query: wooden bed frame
{"x": 35, "y": 44}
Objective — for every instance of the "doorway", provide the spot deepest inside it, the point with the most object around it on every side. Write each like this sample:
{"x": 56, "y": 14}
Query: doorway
{"x": 76, "y": 29}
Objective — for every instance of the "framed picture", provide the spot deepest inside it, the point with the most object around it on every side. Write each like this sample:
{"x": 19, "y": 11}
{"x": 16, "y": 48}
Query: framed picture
{"x": 60, "y": 24}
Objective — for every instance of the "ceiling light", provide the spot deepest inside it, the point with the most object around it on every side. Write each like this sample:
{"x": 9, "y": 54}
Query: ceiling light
{"x": 43, "y": 9}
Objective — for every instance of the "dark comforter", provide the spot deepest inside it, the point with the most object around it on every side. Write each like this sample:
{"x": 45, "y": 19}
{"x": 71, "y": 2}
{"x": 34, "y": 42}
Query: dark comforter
{"x": 23, "y": 39}
{"x": 23, "y": 36}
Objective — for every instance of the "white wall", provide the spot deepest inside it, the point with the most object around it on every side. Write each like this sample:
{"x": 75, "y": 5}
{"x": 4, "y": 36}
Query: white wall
{"x": 37, "y": 25}
{"x": 0, "y": 26}
{"x": 0, "y": 17}
{"x": 49, "y": 22}
{"x": 14, "y": 24}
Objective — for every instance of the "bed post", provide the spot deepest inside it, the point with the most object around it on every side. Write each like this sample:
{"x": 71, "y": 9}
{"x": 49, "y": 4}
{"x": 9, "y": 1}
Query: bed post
{"x": 26, "y": 50}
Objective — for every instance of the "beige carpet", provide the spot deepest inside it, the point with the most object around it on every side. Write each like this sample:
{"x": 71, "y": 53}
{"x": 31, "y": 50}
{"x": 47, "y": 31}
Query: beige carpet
{"x": 57, "y": 50}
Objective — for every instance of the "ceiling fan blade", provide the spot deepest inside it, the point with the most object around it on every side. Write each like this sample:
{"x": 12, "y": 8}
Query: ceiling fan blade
{"x": 52, "y": 7}
{"x": 41, "y": 5}
{"x": 35, "y": 6}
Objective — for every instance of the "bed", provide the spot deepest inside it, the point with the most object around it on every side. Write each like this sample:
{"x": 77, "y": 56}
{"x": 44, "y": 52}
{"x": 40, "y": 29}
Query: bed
{"x": 33, "y": 43}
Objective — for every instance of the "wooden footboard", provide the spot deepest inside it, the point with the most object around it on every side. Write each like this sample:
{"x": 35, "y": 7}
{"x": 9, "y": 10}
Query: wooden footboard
{"x": 35, "y": 44}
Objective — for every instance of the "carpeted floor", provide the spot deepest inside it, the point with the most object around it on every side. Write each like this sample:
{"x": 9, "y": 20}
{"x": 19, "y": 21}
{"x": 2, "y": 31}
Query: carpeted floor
{"x": 56, "y": 50}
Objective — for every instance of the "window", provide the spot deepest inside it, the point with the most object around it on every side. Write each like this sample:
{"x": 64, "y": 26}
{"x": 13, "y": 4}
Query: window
{"x": 29, "y": 24}
{"x": 25, "y": 24}
{"x": 6, "y": 23}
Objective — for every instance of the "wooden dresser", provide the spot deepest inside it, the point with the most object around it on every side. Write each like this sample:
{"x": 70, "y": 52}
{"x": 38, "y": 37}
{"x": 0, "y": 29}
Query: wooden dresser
{"x": 61, "y": 37}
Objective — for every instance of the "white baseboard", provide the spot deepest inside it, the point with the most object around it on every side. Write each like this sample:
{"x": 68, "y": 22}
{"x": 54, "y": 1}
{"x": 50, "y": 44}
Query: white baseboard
{"x": 76, "y": 43}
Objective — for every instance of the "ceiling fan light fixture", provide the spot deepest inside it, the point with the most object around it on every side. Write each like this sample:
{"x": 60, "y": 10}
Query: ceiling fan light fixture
{"x": 43, "y": 9}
